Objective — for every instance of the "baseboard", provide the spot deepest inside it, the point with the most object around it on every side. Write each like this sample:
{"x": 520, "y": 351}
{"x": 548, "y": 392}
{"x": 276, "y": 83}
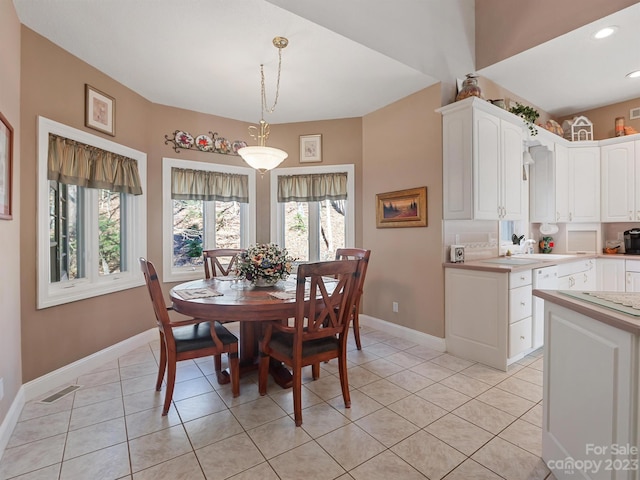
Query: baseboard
{"x": 10, "y": 420}
{"x": 67, "y": 374}
{"x": 420, "y": 338}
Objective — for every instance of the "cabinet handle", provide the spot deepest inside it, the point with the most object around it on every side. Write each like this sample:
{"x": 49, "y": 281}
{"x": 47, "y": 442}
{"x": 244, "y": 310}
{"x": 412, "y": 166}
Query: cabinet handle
{"x": 521, "y": 337}
{"x": 522, "y": 277}
{"x": 522, "y": 303}
{"x": 586, "y": 279}
{"x": 630, "y": 215}
{"x": 557, "y": 216}
{"x": 572, "y": 281}
{"x": 629, "y": 278}
{"x": 570, "y": 216}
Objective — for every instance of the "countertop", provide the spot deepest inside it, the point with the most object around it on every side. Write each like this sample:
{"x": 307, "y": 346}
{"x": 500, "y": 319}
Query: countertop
{"x": 493, "y": 265}
{"x": 602, "y": 314}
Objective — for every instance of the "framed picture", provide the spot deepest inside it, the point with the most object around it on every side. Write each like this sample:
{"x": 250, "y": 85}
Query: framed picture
{"x": 100, "y": 111}
{"x": 404, "y": 208}
{"x": 6, "y": 168}
{"x": 310, "y": 148}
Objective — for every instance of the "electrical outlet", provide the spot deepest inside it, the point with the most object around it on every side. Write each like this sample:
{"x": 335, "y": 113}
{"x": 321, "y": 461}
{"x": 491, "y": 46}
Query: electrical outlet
{"x": 1, "y": 388}
{"x": 394, "y": 307}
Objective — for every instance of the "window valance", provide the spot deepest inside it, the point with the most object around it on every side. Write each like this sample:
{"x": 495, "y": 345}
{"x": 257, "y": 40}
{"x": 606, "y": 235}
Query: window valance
{"x": 313, "y": 187}
{"x": 76, "y": 163}
{"x": 187, "y": 184}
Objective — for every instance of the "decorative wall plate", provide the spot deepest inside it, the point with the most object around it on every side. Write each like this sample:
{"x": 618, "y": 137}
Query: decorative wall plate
{"x": 204, "y": 143}
{"x": 183, "y": 139}
{"x": 237, "y": 145}
{"x": 223, "y": 145}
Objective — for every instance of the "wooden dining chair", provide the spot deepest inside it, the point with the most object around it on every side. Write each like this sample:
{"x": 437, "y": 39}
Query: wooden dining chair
{"x": 320, "y": 327}
{"x": 361, "y": 254}
{"x": 187, "y": 339}
{"x": 213, "y": 267}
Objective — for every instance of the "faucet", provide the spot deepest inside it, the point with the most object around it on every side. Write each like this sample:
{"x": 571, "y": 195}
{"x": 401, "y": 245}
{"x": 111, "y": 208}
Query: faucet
{"x": 527, "y": 246}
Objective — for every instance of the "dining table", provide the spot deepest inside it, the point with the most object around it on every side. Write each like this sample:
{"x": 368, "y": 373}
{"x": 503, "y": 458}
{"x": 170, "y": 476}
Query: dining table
{"x": 230, "y": 299}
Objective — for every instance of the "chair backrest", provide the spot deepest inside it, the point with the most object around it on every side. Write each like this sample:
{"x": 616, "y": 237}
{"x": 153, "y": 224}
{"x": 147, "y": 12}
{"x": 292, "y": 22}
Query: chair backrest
{"x": 336, "y": 284}
{"x": 212, "y": 265}
{"x": 155, "y": 292}
{"x": 360, "y": 254}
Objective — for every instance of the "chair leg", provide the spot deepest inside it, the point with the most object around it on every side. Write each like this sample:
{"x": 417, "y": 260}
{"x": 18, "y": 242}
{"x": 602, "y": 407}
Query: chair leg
{"x": 221, "y": 375}
{"x": 315, "y": 371}
{"x": 163, "y": 363}
{"x": 344, "y": 380}
{"x": 356, "y": 329}
{"x": 234, "y": 366}
{"x": 171, "y": 381}
{"x": 297, "y": 393}
{"x": 263, "y": 373}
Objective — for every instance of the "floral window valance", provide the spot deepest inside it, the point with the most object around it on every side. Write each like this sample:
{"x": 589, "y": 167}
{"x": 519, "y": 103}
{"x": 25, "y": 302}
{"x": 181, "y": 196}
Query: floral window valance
{"x": 76, "y": 163}
{"x": 313, "y": 187}
{"x": 187, "y": 184}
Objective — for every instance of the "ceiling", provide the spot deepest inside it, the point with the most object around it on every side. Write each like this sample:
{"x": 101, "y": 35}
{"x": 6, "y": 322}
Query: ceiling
{"x": 344, "y": 59}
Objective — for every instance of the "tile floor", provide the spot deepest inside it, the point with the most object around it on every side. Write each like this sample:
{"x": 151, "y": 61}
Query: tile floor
{"x": 416, "y": 413}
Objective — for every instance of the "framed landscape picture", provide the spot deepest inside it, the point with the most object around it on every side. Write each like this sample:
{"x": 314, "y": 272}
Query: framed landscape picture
{"x": 100, "y": 111}
{"x": 6, "y": 168}
{"x": 404, "y": 208}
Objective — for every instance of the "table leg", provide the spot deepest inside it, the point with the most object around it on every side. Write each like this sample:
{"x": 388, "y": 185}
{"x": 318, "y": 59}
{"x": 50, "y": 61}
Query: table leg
{"x": 249, "y": 334}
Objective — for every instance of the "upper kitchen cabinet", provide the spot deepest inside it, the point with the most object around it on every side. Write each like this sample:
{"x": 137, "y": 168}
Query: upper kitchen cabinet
{"x": 482, "y": 153}
{"x": 620, "y": 171}
{"x": 565, "y": 184}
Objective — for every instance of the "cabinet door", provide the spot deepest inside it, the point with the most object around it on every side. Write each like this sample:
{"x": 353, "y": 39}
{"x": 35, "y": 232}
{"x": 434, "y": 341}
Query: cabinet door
{"x": 562, "y": 183}
{"x": 618, "y": 182}
{"x": 542, "y": 185}
{"x": 486, "y": 166}
{"x": 584, "y": 184}
{"x": 610, "y": 275}
{"x": 511, "y": 180}
{"x": 456, "y": 175}
{"x": 633, "y": 282}
{"x": 636, "y": 183}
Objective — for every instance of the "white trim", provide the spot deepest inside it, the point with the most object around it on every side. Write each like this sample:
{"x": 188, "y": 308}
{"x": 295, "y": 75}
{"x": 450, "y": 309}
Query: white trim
{"x": 436, "y": 343}
{"x": 350, "y": 219}
{"x": 56, "y": 294}
{"x": 249, "y": 225}
{"x": 67, "y": 374}
{"x": 11, "y": 419}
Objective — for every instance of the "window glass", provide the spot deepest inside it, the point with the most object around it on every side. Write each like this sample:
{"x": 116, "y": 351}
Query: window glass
{"x": 296, "y": 230}
{"x": 332, "y": 228}
{"x": 111, "y": 218}
{"x": 65, "y": 226}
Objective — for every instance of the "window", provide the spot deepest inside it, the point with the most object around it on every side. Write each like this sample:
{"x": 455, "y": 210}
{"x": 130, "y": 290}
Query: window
{"x": 313, "y": 230}
{"x": 89, "y": 239}
{"x": 190, "y": 226}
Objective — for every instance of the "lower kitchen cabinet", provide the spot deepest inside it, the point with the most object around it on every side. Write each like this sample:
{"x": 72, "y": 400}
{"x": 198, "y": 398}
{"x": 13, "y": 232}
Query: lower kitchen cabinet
{"x": 488, "y": 315}
{"x": 610, "y": 275}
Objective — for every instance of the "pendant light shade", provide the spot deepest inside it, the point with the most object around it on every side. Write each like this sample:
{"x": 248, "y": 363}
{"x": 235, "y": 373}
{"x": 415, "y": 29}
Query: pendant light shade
{"x": 262, "y": 158}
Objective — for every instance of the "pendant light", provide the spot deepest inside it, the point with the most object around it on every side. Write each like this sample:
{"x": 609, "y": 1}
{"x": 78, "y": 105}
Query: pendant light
{"x": 261, "y": 157}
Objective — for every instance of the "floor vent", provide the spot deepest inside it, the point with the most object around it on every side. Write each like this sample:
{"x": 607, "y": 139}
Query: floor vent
{"x": 58, "y": 395}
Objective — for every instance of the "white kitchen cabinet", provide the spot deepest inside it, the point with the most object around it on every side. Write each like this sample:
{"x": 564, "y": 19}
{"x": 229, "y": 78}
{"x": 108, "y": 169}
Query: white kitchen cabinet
{"x": 610, "y": 274}
{"x": 579, "y": 275}
{"x": 632, "y": 276}
{"x": 590, "y": 395}
{"x": 482, "y": 158}
{"x": 488, "y": 315}
{"x": 565, "y": 184}
{"x": 584, "y": 184}
{"x": 620, "y": 172}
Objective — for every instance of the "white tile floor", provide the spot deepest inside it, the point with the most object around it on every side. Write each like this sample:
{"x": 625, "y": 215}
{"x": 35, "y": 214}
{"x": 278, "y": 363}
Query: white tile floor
{"x": 416, "y": 413}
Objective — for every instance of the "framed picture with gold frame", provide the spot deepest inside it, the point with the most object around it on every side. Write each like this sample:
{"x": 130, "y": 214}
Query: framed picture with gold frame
{"x": 404, "y": 208}
{"x": 6, "y": 168}
{"x": 100, "y": 111}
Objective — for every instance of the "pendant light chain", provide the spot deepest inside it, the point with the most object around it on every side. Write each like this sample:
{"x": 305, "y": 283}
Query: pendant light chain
{"x": 280, "y": 43}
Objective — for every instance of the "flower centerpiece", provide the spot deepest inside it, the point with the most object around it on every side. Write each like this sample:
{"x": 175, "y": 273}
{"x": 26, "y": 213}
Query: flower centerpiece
{"x": 264, "y": 264}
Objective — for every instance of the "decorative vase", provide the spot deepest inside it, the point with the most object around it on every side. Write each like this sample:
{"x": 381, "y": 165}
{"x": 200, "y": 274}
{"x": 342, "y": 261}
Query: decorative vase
{"x": 469, "y": 88}
{"x": 546, "y": 244}
{"x": 265, "y": 282}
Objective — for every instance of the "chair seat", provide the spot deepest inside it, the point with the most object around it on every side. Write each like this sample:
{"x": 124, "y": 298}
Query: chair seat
{"x": 283, "y": 344}
{"x": 195, "y": 337}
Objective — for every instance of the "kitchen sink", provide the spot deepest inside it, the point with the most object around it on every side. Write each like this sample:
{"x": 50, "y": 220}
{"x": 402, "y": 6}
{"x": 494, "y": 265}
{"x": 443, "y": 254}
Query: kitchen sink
{"x": 545, "y": 256}
{"x": 511, "y": 261}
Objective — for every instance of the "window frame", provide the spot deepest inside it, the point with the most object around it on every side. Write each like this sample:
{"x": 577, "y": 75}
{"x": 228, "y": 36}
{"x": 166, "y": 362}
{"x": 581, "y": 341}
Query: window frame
{"x": 247, "y": 228}
{"x": 277, "y": 209}
{"x": 93, "y": 284}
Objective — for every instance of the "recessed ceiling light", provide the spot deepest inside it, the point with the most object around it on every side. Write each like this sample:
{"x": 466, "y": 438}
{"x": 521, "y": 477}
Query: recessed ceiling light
{"x": 605, "y": 32}
{"x": 635, "y": 74}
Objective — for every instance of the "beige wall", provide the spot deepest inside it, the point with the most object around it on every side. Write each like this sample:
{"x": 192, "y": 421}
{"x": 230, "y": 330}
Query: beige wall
{"x": 10, "y": 245}
{"x": 505, "y": 28}
{"x": 403, "y": 149}
{"x": 53, "y": 86}
{"x": 604, "y": 118}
